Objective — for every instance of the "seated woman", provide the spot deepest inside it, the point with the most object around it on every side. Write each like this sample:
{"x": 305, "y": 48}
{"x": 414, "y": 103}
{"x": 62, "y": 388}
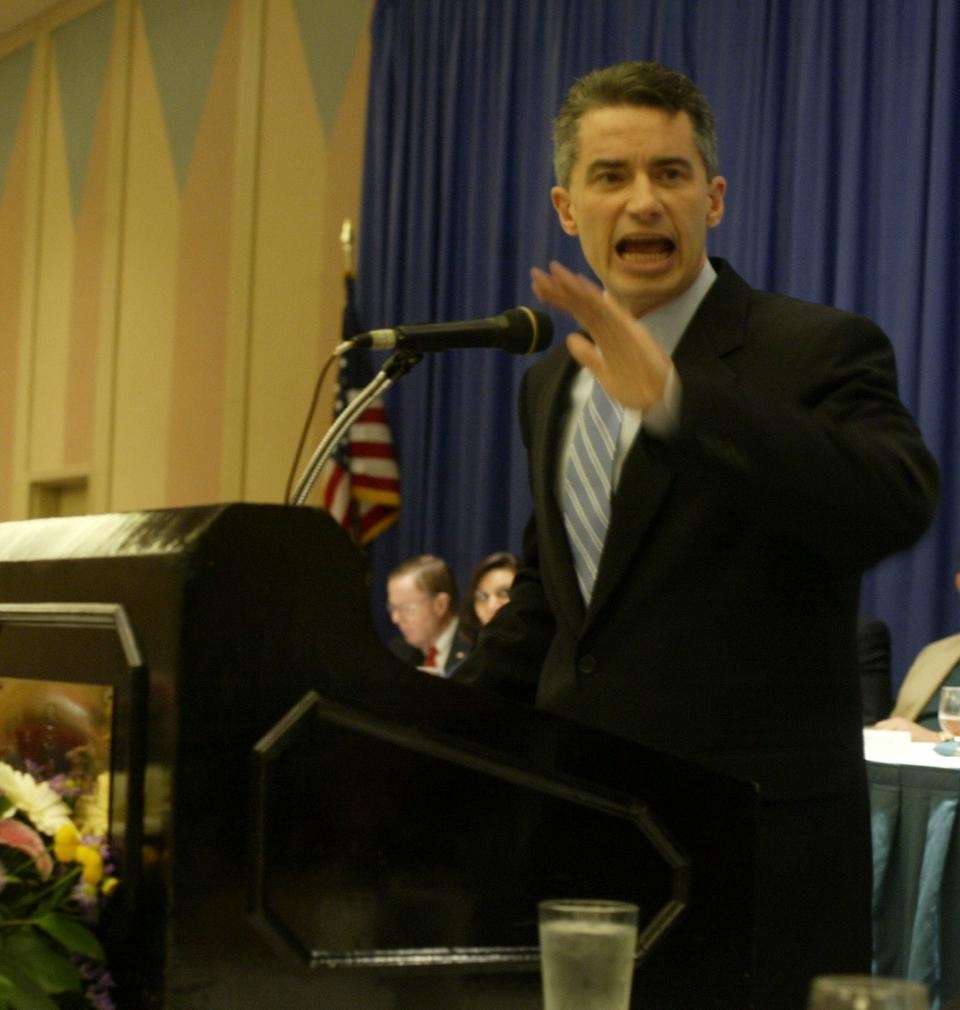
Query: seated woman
{"x": 488, "y": 591}
{"x": 937, "y": 665}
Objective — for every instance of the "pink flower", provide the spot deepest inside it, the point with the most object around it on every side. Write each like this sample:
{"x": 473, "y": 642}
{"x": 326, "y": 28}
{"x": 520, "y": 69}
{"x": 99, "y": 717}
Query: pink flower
{"x": 20, "y": 836}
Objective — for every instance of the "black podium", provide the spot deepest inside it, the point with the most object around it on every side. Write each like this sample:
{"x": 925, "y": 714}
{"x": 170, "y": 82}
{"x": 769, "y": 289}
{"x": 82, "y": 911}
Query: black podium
{"x": 302, "y": 821}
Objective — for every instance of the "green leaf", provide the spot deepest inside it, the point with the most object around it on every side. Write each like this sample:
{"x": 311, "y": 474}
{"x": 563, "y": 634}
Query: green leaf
{"x": 34, "y": 956}
{"x": 71, "y": 934}
{"x": 32, "y": 1001}
{"x": 19, "y": 991}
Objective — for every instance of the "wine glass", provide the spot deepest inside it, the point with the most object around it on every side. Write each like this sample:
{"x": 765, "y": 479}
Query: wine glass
{"x": 866, "y": 992}
{"x": 949, "y": 714}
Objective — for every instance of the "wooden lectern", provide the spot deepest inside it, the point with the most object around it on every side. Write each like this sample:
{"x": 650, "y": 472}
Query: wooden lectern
{"x": 302, "y": 821}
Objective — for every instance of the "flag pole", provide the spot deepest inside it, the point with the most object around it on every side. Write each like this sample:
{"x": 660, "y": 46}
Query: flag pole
{"x": 368, "y": 467}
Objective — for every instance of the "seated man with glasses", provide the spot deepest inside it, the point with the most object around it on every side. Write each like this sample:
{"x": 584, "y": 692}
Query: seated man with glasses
{"x": 422, "y": 603}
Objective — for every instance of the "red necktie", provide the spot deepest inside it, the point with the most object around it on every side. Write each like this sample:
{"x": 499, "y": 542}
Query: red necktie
{"x": 430, "y": 659}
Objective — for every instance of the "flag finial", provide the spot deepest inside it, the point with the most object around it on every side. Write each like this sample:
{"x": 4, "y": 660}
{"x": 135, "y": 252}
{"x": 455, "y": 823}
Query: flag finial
{"x": 346, "y": 244}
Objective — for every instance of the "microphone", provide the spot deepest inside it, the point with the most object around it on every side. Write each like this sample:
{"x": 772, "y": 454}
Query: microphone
{"x": 519, "y": 331}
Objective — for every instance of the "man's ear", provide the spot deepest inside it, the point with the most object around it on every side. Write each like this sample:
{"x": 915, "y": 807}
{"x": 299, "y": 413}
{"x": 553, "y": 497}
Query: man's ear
{"x": 560, "y": 197}
{"x": 956, "y": 581}
{"x": 716, "y": 189}
{"x": 441, "y": 604}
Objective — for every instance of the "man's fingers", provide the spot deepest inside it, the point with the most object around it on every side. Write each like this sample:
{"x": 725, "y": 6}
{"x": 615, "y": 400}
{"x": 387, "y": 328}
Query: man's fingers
{"x": 584, "y": 352}
{"x": 623, "y": 354}
{"x": 569, "y": 291}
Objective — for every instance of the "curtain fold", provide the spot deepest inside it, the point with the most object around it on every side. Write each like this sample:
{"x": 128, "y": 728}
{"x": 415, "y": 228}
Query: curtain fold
{"x": 837, "y": 123}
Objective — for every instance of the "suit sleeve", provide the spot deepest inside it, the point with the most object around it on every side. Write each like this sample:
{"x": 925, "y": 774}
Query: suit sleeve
{"x": 811, "y": 432}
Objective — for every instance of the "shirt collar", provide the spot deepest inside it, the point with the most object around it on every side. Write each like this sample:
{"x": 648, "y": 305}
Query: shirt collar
{"x": 444, "y": 641}
{"x": 668, "y": 322}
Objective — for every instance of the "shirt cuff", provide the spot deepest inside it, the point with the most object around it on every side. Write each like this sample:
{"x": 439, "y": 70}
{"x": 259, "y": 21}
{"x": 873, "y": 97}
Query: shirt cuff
{"x": 663, "y": 418}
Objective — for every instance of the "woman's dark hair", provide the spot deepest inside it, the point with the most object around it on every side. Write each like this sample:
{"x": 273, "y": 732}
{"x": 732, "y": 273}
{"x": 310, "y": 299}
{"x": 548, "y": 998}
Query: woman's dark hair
{"x": 469, "y": 622}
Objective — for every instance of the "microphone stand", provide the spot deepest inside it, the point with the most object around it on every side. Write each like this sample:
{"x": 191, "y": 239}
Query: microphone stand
{"x": 394, "y": 368}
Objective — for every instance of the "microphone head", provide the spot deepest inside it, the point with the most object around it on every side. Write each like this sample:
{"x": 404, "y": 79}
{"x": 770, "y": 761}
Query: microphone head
{"x": 528, "y": 331}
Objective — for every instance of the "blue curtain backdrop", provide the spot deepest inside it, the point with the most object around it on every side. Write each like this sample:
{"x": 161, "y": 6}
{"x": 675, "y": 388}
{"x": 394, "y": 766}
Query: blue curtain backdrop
{"x": 838, "y": 126}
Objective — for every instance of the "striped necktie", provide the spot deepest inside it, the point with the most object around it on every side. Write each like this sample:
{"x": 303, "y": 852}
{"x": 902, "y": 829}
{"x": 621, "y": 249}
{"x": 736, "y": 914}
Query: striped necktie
{"x": 587, "y": 484}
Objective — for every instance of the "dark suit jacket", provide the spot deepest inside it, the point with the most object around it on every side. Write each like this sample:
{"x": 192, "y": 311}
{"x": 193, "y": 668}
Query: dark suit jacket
{"x": 459, "y": 649}
{"x": 722, "y": 624}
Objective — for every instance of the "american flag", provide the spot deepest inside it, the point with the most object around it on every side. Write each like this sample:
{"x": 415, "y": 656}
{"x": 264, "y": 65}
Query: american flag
{"x": 360, "y": 482}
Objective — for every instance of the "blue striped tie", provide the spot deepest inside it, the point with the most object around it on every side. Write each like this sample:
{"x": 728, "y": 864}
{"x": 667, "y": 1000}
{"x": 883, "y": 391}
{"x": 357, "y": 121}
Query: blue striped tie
{"x": 587, "y": 483}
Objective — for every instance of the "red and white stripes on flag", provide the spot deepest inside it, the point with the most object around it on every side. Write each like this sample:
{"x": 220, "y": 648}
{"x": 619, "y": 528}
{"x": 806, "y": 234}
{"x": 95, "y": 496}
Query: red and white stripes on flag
{"x": 360, "y": 482}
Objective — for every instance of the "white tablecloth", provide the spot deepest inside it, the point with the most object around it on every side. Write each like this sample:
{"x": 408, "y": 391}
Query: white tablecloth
{"x": 896, "y": 748}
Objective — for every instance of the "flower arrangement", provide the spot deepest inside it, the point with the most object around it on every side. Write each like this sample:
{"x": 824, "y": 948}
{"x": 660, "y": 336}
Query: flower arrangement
{"x": 54, "y": 880}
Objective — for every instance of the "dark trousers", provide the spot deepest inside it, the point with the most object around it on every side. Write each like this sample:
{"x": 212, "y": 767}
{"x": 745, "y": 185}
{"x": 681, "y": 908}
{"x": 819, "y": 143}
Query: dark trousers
{"x": 814, "y": 889}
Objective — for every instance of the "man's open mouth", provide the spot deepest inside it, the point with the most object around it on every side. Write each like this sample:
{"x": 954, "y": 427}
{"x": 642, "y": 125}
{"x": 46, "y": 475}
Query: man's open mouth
{"x": 644, "y": 248}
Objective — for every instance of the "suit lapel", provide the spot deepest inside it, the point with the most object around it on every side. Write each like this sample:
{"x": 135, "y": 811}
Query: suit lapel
{"x": 459, "y": 649}
{"x": 715, "y": 330}
{"x": 545, "y": 447}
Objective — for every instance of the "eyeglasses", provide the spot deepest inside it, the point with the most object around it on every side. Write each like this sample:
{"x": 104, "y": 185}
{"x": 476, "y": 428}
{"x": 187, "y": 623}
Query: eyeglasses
{"x": 481, "y": 595}
{"x": 406, "y": 608}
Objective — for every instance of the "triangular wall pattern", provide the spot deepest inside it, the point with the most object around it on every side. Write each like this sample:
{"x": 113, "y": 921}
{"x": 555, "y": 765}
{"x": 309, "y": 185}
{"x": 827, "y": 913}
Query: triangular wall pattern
{"x": 184, "y": 36}
{"x": 81, "y": 49}
{"x": 330, "y": 44}
{"x": 14, "y": 76}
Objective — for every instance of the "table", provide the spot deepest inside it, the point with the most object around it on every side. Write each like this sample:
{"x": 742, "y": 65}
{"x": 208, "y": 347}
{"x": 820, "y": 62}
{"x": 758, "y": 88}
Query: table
{"x": 916, "y": 868}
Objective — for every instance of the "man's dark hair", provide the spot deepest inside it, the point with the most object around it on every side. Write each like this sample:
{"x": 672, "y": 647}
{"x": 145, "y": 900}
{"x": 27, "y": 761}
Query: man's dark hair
{"x": 431, "y": 574}
{"x": 636, "y": 83}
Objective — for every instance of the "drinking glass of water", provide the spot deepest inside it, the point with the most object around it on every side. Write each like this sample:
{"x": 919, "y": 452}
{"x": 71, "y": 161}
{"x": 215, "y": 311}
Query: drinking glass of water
{"x": 949, "y": 713}
{"x": 866, "y": 992}
{"x": 587, "y": 951}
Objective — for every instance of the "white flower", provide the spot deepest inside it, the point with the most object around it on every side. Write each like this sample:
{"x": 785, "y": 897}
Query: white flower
{"x": 45, "y": 808}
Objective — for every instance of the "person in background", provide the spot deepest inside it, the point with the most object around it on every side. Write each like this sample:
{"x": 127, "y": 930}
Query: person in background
{"x": 873, "y": 658}
{"x": 937, "y": 665}
{"x": 422, "y": 603}
{"x": 488, "y": 591}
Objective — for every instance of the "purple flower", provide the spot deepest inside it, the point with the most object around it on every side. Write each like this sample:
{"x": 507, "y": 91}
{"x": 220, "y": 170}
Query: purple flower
{"x": 85, "y": 896}
{"x": 99, "y": 985}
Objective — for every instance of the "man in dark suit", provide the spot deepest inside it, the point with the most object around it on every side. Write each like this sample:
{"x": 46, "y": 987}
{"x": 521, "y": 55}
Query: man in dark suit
{"x": 422, "y": 602}
{"x": 761, "y": 462}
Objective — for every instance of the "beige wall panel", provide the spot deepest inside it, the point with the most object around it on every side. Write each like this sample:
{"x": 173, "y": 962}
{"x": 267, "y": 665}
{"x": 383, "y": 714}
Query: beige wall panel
{"x": 88, "y": 268}
{"x": 291, "y": 227}
{"x": 203, "y": 294}
{"x": 13, "y": 219}
{"x": 188, "y": 379}
{"x": 344, "y": 182}
{"x": 342, "y": 198}
{"x": 54, "y": 284}
{"x": 151, "y": 232}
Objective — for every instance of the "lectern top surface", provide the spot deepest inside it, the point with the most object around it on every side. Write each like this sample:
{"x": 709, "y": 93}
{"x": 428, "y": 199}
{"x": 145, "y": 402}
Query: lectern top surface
{"x": 160, "y": 531}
